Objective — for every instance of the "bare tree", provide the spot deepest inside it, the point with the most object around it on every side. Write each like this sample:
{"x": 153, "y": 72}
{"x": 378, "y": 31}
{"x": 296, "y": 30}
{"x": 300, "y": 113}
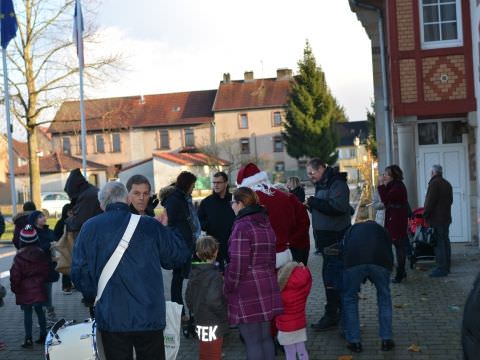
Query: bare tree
{"x": 43, "y": 67}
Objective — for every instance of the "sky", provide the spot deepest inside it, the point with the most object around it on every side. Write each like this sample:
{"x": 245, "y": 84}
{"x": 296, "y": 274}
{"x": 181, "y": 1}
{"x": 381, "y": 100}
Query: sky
{"x": 185, "y": 45}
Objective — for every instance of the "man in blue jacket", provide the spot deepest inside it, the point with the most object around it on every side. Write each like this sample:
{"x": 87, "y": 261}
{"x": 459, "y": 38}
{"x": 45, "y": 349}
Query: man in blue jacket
{"x": 131, "y": 312}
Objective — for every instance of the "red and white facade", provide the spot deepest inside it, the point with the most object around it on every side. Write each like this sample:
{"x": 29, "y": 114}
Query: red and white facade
{"x": 431, "y": 66}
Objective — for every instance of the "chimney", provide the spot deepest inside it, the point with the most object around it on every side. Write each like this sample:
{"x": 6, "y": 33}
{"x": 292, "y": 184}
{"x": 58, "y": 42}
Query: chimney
{"x": 226, "y": 78}
{"x": 248, "y": 76}
{"x": 142, "y": 100}
{"x": 284, "y": 74}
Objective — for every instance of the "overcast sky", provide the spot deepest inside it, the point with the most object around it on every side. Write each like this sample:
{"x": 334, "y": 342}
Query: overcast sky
{"x": 183, "y": 45}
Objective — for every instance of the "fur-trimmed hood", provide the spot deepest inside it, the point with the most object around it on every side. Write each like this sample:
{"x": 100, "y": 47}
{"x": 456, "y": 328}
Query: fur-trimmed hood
{"x": 284, "y": 273}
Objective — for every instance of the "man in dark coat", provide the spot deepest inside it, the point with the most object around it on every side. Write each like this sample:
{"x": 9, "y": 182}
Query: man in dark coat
{"x": 438, "y": 213}
{"x": 367, "y": 253}
{"x": 331, "y": 217}
{"x": 216, "y": 215}
{"x": 83, "y": 196}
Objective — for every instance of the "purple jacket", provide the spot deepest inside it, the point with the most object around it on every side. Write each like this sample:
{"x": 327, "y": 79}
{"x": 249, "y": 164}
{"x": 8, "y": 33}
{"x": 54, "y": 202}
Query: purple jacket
{"x": 251, "y": 286}
{"x": 28, "y": 275}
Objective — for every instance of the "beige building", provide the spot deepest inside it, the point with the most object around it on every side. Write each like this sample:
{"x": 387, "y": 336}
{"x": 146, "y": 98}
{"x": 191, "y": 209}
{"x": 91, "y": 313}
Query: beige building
{"x": 249, "y": 116}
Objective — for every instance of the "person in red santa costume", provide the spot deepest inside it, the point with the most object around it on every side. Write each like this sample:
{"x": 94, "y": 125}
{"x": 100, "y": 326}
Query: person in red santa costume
{"x": 280, "y": 208}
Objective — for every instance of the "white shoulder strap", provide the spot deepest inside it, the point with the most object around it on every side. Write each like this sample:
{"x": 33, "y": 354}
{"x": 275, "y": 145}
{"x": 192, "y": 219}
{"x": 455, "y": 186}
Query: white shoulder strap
{"x": 114, "y": 260}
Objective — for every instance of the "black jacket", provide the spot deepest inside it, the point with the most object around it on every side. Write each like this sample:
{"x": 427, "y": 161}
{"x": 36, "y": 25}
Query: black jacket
{"x": 367, "y": 243}
{"x": 84, "y": 197}
{"x": 179, "y": 216}
{"x": 299, "y": 192}
{"x": 204, "y": 297}
{"x": 2, "y": 225}
{"x": 217, "y": 217}
{"x": 471, "y": 323}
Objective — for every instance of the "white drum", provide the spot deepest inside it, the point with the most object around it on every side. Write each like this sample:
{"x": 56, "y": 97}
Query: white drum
{"x": 73, "y": 341}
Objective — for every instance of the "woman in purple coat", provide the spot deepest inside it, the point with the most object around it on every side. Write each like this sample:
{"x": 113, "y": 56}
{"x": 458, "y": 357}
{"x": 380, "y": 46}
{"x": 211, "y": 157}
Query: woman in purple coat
{"x": 251, "y": 289}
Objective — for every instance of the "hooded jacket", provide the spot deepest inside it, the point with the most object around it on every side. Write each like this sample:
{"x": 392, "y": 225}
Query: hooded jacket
{"x": 133, "y": 299}
{"x": 330, "y": 206}
{"x": 28, "y": 275}
{"x": 204, "y": 297}
{"x": 295, "y": 283}
{"x": 251, "y": 286}
{"x": 84, "y": 197}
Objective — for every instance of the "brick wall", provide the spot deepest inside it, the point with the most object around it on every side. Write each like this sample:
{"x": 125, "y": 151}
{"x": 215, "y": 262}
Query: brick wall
{"x": 444, "y": 78}
{"x": 405, "y": 25}
{"x": 408, "y": 81}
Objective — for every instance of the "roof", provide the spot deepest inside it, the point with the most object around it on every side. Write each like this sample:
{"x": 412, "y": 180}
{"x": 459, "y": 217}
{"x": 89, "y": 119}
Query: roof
{"x": 183, "y": 108}
{"x": 58, "y": 162}
{"x": 190, "y": 159}
{"x": 347, "y": 131}
{"x": 21, "y": 148}
{"x": 258, "y": 93}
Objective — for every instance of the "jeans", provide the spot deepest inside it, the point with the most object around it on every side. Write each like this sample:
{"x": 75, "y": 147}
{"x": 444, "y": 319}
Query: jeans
{"x": 401, "y": 248}
{"x": 148, "y": 345}
{"x": 258, "y": 340}
{"x": 28, "y": 321}
{"x": 352, "y": 279}
{"x": 443, "y": 249}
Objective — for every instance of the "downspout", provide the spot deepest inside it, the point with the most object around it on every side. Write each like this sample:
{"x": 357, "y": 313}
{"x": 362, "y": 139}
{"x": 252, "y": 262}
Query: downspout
{"x": 388, "y": 124}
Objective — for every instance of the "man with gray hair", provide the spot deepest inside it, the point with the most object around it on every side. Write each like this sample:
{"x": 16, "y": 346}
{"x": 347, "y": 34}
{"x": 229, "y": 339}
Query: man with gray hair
{"x": 131, "y": 310}
{"x": 438, "y": 213}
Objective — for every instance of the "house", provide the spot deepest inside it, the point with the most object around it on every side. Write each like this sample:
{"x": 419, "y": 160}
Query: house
{"x": 423, "y": 73}
{"x": 248, "y": 118}
{"x": 126, "y": 130}
{"x": 163, "y": 168}
{"x": 54, "y": 171}
{"x": 352, "y": 153}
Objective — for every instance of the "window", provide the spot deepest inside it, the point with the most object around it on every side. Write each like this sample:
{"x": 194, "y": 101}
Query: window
{"x": 189, "y": 137}
{"x": 243, "y": 121}
{"x": 353, "y": 153}
{"x": 79, "y": 145}
{"x": 277, "y": 144}
{"x": 66, "y": 146}
{"x": 452, "y": 132}
{"x": 277, "y": 118}
{"x": 116, "y": 144}
{"x": 428, "y": 133}
{"x": 99, "y": 144}
{"x": 244, "y": 146}
{"x": 163, "y": 141}
{"x": 279, "y": 166}
{"x": 441, "y": 23}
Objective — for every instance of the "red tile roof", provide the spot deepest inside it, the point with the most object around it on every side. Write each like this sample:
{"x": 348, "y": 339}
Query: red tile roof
{"x": 193, "y": 107}
{"x": 259, "y": 93}
{"x": 21, "y": 148}
{"x": 190, "y": 159}
{"x": 58, "y": 162}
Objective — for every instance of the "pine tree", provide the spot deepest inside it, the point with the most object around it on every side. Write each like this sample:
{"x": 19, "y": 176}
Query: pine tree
{"x": 312, "y": 112}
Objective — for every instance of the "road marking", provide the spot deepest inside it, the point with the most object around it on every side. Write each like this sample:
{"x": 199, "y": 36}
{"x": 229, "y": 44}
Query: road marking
{"x": 11, "y": 253}
{"x": 4, "y": 274}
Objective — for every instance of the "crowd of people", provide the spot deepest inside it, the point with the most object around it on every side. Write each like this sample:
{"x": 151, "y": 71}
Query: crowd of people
{"x": 244, "y": 253}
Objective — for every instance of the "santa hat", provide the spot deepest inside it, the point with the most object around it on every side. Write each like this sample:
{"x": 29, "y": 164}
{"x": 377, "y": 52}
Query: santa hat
{"x": 28, "y": 235}
{"x": 251, "y": 176}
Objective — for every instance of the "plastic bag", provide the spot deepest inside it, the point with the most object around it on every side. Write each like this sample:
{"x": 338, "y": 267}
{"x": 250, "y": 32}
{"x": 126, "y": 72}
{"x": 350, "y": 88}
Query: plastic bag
{"x": 171, "y": 334}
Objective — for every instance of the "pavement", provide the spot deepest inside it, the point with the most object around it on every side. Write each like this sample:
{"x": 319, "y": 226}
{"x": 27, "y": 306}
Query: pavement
{"x": 427, "y": 314}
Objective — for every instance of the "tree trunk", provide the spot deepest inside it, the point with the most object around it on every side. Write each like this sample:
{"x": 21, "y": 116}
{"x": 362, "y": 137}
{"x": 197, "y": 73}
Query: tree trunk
{"x": 34, "y": 166}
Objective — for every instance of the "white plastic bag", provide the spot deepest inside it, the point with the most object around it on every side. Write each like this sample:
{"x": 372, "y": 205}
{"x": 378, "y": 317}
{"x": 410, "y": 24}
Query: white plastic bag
{"x": 171, "y": 334}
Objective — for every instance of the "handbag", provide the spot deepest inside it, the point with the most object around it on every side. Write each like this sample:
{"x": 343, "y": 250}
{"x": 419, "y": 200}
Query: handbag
{"x": 64, "y": 249}
{"x": 171, "y": 334}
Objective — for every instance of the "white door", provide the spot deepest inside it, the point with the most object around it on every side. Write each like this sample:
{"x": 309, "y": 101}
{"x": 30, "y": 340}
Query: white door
{"x": 453, "y": 161}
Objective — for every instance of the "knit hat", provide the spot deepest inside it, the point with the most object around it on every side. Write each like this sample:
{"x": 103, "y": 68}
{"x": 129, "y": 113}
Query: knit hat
{"x": 32, "y": 218}
{"x": 28, "y": 235}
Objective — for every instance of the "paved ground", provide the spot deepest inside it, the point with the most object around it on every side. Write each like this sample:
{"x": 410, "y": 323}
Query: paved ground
{"x": 427, "y": 313}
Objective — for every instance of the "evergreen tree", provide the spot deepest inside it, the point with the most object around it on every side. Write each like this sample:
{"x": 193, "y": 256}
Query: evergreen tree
{"x": 372, "y": 132}
{"x": 312, "y": 112}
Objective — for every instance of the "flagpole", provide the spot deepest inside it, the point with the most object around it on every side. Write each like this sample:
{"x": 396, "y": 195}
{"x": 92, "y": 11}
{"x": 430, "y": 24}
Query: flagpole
{"x": 9, "y": 133}
{"x": 82, "y": 105}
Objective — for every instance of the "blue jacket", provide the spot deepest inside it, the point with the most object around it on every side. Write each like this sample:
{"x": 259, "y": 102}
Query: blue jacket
{"x": 133, "y": 299}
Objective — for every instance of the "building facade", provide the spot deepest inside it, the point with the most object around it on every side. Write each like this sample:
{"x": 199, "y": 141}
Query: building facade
{"x": 423, "y": 70}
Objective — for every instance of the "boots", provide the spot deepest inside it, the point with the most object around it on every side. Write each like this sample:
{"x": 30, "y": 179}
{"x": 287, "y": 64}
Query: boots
{"x": 400, "y": 276}
{"x": 332, "y": 312}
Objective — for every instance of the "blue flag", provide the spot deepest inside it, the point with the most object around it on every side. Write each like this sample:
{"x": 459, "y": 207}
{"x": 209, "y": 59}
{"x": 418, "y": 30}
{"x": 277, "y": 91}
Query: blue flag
{"x": 8, "y": 22}
{"x": 78, "y": 35}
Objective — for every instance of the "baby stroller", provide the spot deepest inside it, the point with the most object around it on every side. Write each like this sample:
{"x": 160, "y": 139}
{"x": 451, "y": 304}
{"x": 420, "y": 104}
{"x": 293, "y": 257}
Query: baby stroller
{"x": 420, "y": 237}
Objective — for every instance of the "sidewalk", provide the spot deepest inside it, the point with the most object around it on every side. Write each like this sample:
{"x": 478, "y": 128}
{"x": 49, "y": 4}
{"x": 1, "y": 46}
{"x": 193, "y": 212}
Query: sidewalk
{"x": 427, "y": 313}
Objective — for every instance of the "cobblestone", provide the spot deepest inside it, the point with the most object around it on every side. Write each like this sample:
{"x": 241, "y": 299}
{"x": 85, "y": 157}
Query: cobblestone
{"x": 427, "y": 312}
